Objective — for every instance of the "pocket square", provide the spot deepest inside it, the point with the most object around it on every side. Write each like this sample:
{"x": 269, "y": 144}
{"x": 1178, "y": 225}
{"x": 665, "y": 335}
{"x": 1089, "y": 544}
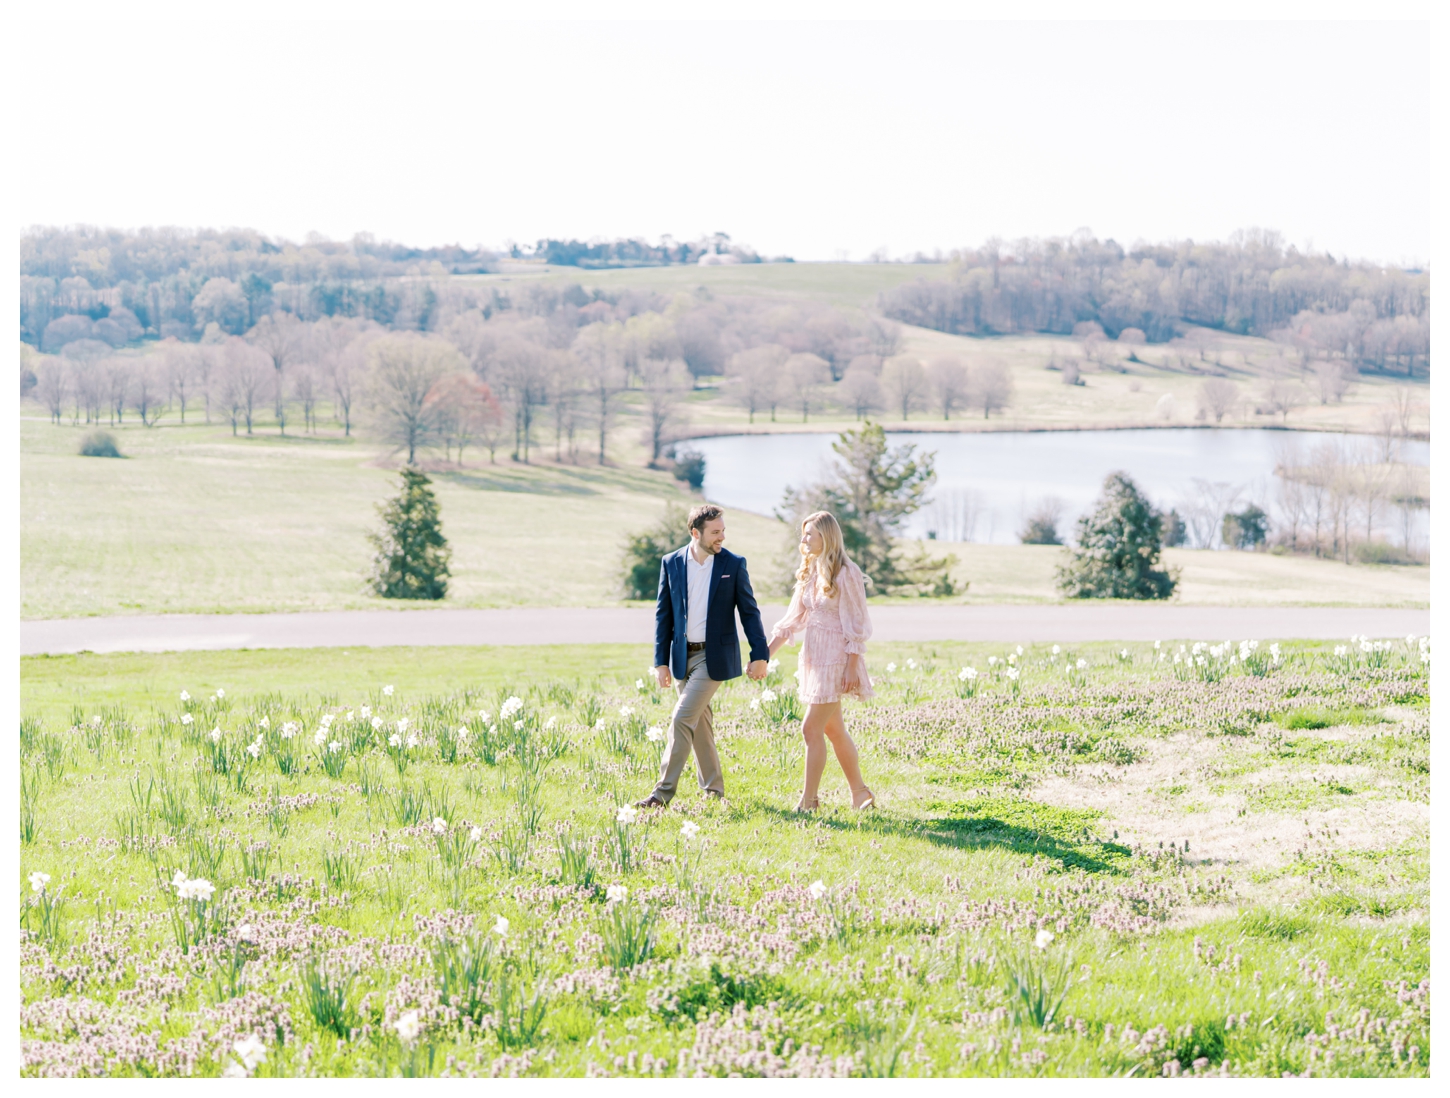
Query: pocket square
{"x": 725, "y": 575}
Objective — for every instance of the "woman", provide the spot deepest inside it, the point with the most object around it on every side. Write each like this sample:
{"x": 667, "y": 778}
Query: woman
{"x": 829, "y": 607}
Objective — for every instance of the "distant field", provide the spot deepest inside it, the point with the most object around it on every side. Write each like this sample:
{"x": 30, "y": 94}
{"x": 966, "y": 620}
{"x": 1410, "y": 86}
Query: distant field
{"x": 1107, "y": 398}
{"x": 195, "y": 521}
{"x": 1024, "y": 573}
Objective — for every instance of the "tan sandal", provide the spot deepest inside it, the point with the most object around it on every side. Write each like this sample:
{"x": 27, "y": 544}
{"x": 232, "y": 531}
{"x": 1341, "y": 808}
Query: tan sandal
{"x": 869, "y": 802}
{"x": 803, "y": 807}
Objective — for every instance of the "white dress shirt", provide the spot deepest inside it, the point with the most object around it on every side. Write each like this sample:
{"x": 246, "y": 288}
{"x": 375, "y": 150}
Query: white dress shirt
{"x": 697, "y": 594}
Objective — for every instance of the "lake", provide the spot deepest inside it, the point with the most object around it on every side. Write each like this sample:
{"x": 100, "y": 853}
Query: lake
{"x": 987, "y": 483}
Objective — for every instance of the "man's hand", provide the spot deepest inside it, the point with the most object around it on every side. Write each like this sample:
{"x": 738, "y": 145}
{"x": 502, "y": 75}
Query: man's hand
{"x": 662, "y": 676}
{"x": 756, "y": 670}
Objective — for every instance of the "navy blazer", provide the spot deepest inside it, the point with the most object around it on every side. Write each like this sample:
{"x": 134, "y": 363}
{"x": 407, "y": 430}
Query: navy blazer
{"x": 729, "y": 591}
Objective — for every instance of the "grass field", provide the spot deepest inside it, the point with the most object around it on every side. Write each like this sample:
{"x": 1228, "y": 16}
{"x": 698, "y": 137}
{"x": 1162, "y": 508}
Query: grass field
{"x": 1119, "y": 866}
{"x": 197, "y": 521}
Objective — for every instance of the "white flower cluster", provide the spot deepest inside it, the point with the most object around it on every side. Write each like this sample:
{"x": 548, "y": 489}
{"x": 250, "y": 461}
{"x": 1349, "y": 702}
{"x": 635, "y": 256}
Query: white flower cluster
{"x": 192, "y": 888}
{"x": 654, "y": 733}
{"x": 289, "y": 729}
{"x": 255, "y": 747}
{"x": 818, "y": 889}
{"x": 616, "y": 893}
{"x": 510, "y": 706}
{"x": 967, "y": 674}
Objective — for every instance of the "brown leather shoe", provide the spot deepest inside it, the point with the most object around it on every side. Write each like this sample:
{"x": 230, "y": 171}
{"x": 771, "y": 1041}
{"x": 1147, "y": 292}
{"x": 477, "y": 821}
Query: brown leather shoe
{"x": 650, "y": 802}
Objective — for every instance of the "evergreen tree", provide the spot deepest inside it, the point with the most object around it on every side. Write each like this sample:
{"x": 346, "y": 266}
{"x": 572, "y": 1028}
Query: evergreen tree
{"x": 872, "y": 492}
{"x": 411, "y": 558}
{"x": 1118, "y": 546}
{"x": 643, "y": 551}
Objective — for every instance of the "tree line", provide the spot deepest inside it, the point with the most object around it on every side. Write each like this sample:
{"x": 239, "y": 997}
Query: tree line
{"x": 1376, "y": 317}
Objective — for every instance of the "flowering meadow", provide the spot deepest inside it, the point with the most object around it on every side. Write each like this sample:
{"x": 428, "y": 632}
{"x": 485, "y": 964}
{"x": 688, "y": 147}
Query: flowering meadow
{"x": 1150, "y": 860}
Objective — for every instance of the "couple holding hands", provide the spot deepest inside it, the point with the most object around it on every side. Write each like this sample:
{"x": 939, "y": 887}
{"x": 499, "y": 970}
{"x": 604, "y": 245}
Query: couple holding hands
{"x": 702, "y": 587}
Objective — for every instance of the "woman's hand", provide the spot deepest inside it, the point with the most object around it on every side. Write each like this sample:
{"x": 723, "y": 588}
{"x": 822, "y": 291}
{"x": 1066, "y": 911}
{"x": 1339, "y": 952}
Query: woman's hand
{"x": 851, "y": 680}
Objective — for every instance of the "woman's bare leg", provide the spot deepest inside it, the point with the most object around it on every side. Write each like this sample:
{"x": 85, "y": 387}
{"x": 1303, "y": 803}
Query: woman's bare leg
{"x": 846, "y": 755}
{"x": 813, "y": 728}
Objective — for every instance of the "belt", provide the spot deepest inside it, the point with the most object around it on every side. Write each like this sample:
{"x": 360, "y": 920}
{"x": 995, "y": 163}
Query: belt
{"x": 694, "y": 646}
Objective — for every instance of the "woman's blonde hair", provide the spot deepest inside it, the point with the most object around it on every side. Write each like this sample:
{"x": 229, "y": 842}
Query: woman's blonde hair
{"x": 832, "y": 557}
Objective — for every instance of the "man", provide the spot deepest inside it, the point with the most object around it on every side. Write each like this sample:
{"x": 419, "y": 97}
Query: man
{"x": 701, "y": 588}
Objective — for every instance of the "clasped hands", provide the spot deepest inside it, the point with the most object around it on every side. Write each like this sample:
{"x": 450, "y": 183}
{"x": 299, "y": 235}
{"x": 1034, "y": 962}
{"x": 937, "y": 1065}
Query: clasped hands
{"x": 757, "y": 671}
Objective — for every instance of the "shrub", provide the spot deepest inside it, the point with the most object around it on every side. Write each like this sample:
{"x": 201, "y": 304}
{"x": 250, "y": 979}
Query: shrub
{"x": 100, "y": 444}
{"x": 1248, "y": 529}
{"x": 411, "y": 558}
{"x": 643, "y": 551}
{"x": 1380, "y": 552}
{"x": 1119, "y": 543}
{"x": 1041, "y": 528}
{"x": 690, "y": 467}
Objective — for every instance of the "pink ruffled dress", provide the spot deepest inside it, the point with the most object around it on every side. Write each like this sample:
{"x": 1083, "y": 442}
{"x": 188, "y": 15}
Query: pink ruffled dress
{"x": 834, "y": 628}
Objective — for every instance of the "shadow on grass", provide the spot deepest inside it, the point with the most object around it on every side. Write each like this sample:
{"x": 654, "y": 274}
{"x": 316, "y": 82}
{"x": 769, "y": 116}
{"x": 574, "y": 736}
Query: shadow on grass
{"x": 996, "y": 823}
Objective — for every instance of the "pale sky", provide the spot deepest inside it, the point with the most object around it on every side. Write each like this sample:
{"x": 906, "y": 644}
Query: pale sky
{"x": 815, "y": 140}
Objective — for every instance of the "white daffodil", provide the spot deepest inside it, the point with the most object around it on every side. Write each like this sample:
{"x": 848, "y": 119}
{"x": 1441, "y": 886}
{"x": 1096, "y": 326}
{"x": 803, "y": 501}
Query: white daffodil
{"x": 512, "y": 704}
{"x": 186, "y": 718}
{"x": 403, "y": 724}
{"x": 366, "y": 711}
{"x": 327, "y": 719}
{"x": 387, "y": 691}
{"x": 967, "y": 674}
{"x": 767, "y": 696}
{"x": 818, "y": 889}
{"x": 599, "y": 725}
{"x": 551, "y": 722}
{"x": 501, "y": 925}
{"x": 1081, "y": 664}
{"x": 334, "y": 747}
{"x": 377, "y": 724}
{"x": 518, "y": 726}
{"x": 185, "y": 696}
{"x": 216, "y": 735}
{"x": 264, "y": 723}
{"x": 395, "y": 740}
{"x": 250, "y": 1051}
{"x": 38, "y": 881}
{"x": 476, "y": 834}
{"x": 890, "y": 667}
{"x": 440, "y": 825}
{"x": 462, "y": 734}
{"x": 483, "y": 715}
{"x": 320, "y": 736}
{"x": 627, "y": 814}
{"x": 255, "y": 748}
{"x": 220, "y": 692}
{"x": 616, "y": 893}
{"x": 689, "y": 829}
{"x": 639, "y": 684}
{"x": 1044, "y": 939}
{"x": 412, "y": 740}
{"x": 626, "y": 711}
{"x": 408, "y": 1026}
{"x": 654, "y": 733}
{"x": 772, "y": 667}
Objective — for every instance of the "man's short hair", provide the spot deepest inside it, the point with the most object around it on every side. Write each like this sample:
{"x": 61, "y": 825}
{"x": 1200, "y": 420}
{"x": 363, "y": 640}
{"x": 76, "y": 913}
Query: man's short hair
{"x": 703, "y": 514}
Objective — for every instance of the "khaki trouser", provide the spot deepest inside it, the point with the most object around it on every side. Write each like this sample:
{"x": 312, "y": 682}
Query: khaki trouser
{"x": 691, "y": 729}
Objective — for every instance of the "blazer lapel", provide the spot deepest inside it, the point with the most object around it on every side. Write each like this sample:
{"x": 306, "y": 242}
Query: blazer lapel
{"x": 717, "y": 566}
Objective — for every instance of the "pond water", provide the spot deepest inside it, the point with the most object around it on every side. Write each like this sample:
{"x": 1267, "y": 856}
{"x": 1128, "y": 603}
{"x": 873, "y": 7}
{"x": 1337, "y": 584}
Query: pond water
{"x": 987, "y": 483}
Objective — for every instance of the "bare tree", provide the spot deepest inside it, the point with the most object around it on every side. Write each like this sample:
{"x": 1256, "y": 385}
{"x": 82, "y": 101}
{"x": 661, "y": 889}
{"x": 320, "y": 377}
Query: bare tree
{"x": 148, "y": 390}
{"x": 665, "y": 382}
{"x": 402, "y": 370}
{"x": 279, "y": 336}
{"x": 517, "y": 371}
{"x": 597, "y": 350}
{"x": 51, "y": 386}
{"x": 1204, "y": 514}
{"x": 562, "y": 381}
{"x": 806, "y": 374}
{"x": 953, "y": 515}
{"x": 755, "y": 374}
{"x": 466, "y": 411}
{"x": 884, "y": 337}
{"x": 904, "y": 380}
{"x": 1402, "y": 400}
{"x": 117, "y": 373}
{"x": 206, "y": 365}
{"x": 991, "y": 388}
{"x": 1329, "y": 379}
{"x": 245, "y": 375}
{"x": 178, "y": 372}
{"x": 946, "y": 376}
{"x": 859, "y": 390}
{"x": 305, "y": 390}
{"x": 84, "y": 360}
{"x": 1282, "y": 396}
{"x": 1218, "y": 396}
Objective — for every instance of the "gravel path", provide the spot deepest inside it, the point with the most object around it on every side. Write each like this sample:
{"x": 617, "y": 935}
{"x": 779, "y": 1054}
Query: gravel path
{"x": 565, "y": 625}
